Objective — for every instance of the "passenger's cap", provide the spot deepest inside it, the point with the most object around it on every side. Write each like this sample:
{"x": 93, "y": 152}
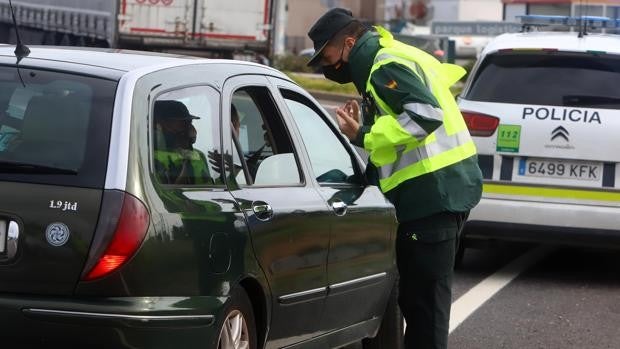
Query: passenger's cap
{"x": 172, "y": 110}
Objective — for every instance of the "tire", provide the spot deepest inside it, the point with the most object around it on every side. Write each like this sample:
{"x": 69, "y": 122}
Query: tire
{"x": 390, "y": 335}
{"x": 237, "y": 330}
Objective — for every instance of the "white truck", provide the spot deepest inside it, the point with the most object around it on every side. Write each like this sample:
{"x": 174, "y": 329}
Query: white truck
{"x": 209, "y": 27}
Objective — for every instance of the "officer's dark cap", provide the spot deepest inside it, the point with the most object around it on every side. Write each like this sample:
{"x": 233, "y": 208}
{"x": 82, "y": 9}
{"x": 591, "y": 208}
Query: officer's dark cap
{"x": 325, "y": 28}
{"x": 172, "y": 110}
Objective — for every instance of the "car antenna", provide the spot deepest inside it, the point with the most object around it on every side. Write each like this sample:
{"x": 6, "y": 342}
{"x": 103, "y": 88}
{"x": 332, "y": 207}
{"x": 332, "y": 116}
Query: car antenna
{"x": 21, "y": 50}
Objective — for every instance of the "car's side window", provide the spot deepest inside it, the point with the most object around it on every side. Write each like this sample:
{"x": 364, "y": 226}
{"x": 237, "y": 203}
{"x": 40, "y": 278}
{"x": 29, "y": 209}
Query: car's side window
{"x": 186, "y": 128}
{"x": 331, "y": 162}
{"x": 265, "y": 152}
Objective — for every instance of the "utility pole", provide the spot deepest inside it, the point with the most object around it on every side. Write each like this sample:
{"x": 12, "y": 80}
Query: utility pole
{"x": 279, "y": 45}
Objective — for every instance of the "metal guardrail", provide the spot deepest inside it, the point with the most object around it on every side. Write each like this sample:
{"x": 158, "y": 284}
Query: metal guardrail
{"x": 89, "y": 23}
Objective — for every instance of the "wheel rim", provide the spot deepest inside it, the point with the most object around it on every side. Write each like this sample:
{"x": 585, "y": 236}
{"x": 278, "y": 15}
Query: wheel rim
{"x": 234, "y": 333}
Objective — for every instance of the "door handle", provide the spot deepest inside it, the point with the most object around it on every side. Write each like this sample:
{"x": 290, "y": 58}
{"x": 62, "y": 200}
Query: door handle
{"x": 262, "y": 210}
{"x": 339, "y": 207}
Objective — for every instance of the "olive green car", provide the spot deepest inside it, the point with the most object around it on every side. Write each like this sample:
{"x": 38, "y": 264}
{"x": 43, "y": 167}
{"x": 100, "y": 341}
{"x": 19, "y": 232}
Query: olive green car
{"x": 157, "y": 201}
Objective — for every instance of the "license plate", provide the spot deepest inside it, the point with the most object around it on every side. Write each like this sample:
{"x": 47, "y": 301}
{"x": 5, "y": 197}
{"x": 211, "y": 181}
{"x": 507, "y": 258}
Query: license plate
{"x": 579, "y": 170}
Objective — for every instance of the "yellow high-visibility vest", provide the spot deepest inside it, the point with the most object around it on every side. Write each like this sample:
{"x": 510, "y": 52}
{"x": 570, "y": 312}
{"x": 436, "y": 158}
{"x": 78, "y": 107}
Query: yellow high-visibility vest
{"x": 397, "y": 154}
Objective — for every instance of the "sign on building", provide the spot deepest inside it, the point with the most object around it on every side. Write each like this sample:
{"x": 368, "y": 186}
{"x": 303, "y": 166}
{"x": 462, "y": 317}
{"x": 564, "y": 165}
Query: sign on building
{"x": 474, "y": 28}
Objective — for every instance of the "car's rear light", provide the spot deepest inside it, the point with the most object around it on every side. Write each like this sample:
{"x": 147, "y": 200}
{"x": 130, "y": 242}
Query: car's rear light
{"x": 480, "y": 125}
{"x": 119, "y": 235}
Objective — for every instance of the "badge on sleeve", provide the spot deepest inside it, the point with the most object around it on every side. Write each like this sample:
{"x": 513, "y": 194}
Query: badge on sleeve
{"x": 392, "y": 84}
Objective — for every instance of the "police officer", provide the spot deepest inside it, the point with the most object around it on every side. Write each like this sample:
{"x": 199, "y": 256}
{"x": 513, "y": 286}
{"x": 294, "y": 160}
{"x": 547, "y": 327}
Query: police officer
{"x": 420, "y": 153}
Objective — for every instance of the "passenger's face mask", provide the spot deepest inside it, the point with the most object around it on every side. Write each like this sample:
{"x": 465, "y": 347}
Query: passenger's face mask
{"x": 339, "y": 72}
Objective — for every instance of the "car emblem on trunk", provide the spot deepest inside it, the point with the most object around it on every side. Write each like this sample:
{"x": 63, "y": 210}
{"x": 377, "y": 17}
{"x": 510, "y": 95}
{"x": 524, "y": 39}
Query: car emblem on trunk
{"x": 560, "y": 132}
{"x": 57, "y": 234}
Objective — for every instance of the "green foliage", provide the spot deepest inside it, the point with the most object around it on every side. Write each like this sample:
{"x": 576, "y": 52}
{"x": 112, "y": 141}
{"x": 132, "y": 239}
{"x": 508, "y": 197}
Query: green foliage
{"x": 292, "y": 63}
{"x": 319, "y": 83}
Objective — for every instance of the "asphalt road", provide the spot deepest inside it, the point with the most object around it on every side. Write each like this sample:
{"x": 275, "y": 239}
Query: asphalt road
{"x": 516, "y": 296}
{"x": 568, "y": 298}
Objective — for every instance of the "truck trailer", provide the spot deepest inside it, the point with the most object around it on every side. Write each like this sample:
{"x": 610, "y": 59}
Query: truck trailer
{"x": 205, "y": 27}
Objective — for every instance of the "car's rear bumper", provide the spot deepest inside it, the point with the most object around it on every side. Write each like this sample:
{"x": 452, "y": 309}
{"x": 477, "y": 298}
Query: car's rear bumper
{"x": 538, "y": 221}
{"x": 125, "y": 322}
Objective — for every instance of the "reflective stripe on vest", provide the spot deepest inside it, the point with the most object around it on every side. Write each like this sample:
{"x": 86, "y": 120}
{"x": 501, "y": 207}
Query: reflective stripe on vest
{"x": 449, "y": 144}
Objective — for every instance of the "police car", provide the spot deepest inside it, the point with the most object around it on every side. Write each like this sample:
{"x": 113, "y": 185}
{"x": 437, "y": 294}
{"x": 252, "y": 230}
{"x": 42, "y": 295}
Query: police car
{"x": 544, "y": 111}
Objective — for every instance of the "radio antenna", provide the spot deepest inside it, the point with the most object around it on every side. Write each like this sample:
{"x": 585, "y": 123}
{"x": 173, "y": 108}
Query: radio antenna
{"x": 21, "y": 50}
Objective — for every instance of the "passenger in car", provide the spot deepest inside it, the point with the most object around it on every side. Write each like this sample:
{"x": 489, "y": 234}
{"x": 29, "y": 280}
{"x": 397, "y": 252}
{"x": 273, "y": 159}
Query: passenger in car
{"x": 176, "y": 160}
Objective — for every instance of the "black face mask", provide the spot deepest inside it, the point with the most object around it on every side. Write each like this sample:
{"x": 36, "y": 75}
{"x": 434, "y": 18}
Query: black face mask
{"x": 339, "y": 72}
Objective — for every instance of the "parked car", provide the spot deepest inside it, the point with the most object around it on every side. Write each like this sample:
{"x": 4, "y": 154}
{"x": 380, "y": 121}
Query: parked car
{"x": 544, "y": 109}
{"x": 158, "y": 201}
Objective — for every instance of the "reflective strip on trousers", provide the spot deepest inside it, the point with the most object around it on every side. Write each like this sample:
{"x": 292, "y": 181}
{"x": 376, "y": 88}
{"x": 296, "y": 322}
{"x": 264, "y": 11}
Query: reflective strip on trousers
{"x": 442, "y": 144}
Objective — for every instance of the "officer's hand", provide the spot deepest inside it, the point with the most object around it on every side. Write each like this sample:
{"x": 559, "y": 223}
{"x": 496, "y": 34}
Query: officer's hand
{"x": 216, "y": 158}
{"x": 353, "y": 108}
{"x": 349, "y": 125}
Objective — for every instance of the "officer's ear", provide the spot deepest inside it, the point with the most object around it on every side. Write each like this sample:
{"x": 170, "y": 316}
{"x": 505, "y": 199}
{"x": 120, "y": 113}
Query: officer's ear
{"x": 349, "y": 42}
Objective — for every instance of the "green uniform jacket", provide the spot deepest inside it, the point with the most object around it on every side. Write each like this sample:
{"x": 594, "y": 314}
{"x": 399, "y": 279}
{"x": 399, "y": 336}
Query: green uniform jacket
{"x": 456, "y": 188}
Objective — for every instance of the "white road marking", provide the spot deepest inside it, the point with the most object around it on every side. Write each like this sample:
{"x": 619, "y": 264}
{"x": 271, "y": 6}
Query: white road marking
{"x": 468, "y": 303}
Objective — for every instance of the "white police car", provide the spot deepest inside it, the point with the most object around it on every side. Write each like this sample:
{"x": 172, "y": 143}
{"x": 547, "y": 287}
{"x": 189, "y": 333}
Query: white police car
{"x": 544, "y": 110}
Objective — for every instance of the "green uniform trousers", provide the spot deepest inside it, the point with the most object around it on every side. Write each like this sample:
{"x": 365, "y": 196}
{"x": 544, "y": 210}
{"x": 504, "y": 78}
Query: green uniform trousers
{"x": 425, "y": 252}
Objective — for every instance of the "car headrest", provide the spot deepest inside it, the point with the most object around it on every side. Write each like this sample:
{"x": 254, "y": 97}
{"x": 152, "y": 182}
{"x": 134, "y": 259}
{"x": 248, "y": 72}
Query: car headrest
{"x": 278, "y": 169}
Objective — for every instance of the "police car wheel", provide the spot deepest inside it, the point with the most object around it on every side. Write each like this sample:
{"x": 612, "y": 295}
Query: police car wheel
{"x": 238, "y": 329}
{"x": 391, "y": 332}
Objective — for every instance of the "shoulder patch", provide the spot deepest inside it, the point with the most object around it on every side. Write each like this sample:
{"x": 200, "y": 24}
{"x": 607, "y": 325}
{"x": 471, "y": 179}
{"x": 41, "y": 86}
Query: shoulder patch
{"x": 392, "y": 84}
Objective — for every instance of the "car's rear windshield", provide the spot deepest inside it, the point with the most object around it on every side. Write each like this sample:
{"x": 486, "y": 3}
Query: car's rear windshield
{"x": 54, "y": 127}
{"x": 550, "y": 78}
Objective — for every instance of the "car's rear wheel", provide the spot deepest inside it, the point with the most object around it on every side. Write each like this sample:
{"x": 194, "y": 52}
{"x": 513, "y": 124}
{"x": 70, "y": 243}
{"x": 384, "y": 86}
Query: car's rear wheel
{"x": 390, "y": 333}
{"x": 238, "y": 329}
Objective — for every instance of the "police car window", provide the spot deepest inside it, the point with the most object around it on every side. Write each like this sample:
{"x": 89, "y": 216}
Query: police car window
{"x": 555, "y": 79}
{"x": 185, "y": 135}
{"x": 260, "y": 136}
{"x": 330, "y": 160}
{"x": 54, "y": 127}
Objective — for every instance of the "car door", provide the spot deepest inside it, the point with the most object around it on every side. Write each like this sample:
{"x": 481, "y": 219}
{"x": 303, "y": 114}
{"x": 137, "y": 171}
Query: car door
{"x": 286, "y": 216}
{"x": 360, "y": 265}
{"x": 199, "y": 238}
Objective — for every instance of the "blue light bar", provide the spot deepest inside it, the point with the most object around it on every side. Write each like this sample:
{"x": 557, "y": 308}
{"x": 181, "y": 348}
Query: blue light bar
{"x": 590, "y": 22}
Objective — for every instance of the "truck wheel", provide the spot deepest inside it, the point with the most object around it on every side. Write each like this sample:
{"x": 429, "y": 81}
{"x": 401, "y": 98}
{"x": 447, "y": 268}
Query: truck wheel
{"x": 390, "y": 335}
{"x": 238, "y": 329}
